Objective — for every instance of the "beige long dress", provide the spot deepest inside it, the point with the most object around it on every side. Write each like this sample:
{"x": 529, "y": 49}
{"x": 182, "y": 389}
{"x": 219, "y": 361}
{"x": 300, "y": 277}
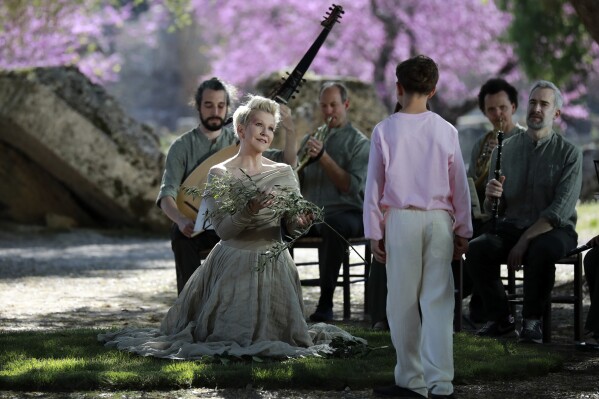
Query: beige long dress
{"x": 228, "y": 305}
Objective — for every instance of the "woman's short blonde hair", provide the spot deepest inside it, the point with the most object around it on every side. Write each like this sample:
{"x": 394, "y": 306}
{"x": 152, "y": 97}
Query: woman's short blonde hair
{"x": 242, "y": 114}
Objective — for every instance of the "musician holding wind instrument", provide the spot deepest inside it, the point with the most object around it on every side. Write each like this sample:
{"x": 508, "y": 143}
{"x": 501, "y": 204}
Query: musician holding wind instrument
{"x": 498, "y": 101}
{"x": 334, "y": 178}
{"x": 540, "y": 182}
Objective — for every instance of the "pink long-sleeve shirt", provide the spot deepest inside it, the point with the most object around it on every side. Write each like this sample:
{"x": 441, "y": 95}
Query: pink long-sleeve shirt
{"x": 415, "y": 162}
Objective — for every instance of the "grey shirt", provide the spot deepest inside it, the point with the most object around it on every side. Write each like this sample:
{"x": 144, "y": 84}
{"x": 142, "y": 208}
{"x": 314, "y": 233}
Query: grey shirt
{"x": 186, "y": 153}
{"x": 542, "y": 180}
{"x": 349, "y": 148}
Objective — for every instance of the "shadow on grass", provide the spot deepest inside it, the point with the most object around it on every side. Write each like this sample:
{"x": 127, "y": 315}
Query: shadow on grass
{"x": 72, "y": 360}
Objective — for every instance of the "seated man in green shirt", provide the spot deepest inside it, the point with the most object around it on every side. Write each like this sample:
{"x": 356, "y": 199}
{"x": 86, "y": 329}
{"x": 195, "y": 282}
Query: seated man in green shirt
{"x": 537, "y": 194}
{"x": 334, "y": 180}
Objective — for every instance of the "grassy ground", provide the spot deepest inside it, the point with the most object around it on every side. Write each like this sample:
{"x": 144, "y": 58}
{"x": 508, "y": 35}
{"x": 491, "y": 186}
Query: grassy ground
{"x": 72, "y": 360}
{"x": 587, "y": 225}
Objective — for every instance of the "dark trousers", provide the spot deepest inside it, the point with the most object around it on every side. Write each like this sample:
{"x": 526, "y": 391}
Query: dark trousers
{"x": 377, "y": 292}
{"x": 187, "y": 252}
{"x": 591, "y": 272}
{"x": 333, "y": 249}
{"x": 487, "y": 252}
{"x": 476, "y": 305}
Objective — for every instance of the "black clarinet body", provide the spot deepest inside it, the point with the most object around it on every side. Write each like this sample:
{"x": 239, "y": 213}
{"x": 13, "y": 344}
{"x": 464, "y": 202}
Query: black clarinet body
{"x": 497, "y": 175}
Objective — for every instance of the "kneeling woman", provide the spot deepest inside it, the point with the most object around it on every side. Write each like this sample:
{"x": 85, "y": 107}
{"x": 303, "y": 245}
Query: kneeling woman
{"x": 246, "y": 298}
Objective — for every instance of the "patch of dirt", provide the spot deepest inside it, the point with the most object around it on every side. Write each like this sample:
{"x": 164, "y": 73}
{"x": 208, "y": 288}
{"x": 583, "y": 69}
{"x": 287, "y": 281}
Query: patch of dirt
{"x": 89, "y": 278}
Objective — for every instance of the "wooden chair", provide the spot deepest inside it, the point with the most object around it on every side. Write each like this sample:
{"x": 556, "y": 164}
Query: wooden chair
{"x": 515, "y": 296}
{"x": 347, "y": 276}
{"x": 457, "y": 268}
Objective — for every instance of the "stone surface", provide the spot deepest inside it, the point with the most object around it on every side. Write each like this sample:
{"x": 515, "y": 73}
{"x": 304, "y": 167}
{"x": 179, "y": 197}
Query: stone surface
{"x": 74, "y": 131}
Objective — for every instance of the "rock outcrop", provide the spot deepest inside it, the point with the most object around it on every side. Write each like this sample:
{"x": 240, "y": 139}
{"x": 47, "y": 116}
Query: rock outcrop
{"x": 69, "y": 152}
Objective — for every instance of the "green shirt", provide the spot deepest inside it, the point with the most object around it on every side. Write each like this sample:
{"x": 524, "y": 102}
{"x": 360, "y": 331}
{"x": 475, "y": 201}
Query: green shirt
{"x": 349, "y": 148}
{"x": 186, "y": 153}
{"x": 542, "y": 179}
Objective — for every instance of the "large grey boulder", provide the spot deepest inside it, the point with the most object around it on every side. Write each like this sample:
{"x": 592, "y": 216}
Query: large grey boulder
{"x": 76, "y": 145}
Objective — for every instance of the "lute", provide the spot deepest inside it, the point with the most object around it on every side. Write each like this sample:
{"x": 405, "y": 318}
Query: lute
{"x": 282, "y": 93}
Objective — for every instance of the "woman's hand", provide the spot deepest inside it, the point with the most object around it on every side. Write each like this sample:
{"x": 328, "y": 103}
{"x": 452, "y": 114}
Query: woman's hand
{"x": 264, "y": 199}
{"x": 304, "y": 220}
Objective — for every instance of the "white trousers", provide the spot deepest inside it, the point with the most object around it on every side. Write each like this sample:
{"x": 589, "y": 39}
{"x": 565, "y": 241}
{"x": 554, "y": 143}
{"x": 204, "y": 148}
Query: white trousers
{"x": 420, "y": 298}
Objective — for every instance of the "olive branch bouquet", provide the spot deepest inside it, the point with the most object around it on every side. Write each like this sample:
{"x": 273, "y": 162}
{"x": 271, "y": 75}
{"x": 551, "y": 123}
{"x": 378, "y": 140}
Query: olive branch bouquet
{"x": 233, "y": 195}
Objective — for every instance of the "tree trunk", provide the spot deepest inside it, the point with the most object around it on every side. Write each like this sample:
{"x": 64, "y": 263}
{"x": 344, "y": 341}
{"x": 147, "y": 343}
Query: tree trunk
{"x": 588, "y": 11}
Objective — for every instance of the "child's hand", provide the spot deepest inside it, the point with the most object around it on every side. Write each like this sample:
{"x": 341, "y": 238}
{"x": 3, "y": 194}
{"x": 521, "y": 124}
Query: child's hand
{"x": 460, "y": 246}
{"x": 378, "y": 250}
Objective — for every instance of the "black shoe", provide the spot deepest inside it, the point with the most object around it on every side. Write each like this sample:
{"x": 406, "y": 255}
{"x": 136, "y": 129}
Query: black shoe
{"x": 497, "y": 328}
{"x": 587, "y": 347}
{"x": 532, "y": 331}
{"x": 590, "y": 342}
{"x": 476, "y": 309}
{"x": 450, "y": 396}
{"x": 382, "y": 325}
{"x": 322, "y": 315}
{"x": 394, "y": 391}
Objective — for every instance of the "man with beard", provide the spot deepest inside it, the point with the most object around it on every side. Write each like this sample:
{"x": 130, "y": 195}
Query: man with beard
{"x": 537, "y": 194}
{"x": 212, "y": 101}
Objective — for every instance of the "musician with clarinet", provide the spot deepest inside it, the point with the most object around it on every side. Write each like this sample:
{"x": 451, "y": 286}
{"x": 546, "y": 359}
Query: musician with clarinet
{"x": 535, "y": 195}
{"x": 498, "y": 101}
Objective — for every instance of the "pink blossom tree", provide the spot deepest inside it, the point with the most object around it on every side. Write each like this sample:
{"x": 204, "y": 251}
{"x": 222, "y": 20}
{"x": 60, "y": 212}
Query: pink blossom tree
{"x": 68, "y": 32}
{"x": 471, "y": 40}
{"x": 464, "y": 37}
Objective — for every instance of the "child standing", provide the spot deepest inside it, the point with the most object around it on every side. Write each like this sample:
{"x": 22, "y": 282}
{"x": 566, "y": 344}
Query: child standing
{"x": 417, "y": 216}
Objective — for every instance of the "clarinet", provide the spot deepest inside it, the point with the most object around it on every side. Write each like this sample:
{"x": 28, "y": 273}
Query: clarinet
{"x": 495, "y": 204}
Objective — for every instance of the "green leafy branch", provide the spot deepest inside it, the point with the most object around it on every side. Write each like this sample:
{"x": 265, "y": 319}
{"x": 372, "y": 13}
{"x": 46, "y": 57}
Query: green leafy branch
{"x": 233, "y": 195}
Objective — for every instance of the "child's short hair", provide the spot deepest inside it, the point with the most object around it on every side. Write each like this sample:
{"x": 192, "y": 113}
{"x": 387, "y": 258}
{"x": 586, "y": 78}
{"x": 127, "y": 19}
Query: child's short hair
{"x": 418, "y": 74}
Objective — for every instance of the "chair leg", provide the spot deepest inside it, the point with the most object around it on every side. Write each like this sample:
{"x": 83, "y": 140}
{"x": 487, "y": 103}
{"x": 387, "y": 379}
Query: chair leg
{"x": 578, "y": 298}
{"x": 511, "y": 288}
{"x": 346, "y": 288}
{"x": 368, "y": 258}
{"x": 547, "y": 323}
{"x": 458, "y": 270}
